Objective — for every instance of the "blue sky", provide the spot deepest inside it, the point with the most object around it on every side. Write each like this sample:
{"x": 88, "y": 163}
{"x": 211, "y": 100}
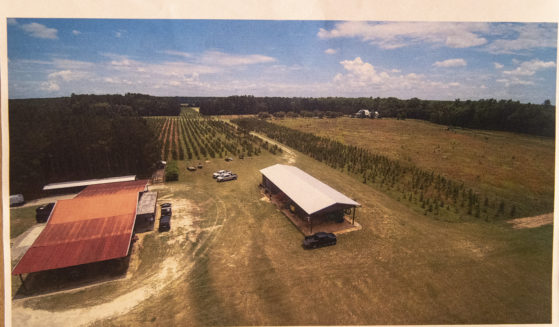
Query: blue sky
{"x": 428, "y": 60}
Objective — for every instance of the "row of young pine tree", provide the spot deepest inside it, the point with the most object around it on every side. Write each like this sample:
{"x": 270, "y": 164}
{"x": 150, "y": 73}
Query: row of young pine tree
{"x": 491, "y": 114}
{"x": 435, "y": 194}
{"x": 192, "y": 137}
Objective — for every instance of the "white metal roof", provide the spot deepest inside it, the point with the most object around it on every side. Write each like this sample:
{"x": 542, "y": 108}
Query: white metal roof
{"x": 54, "y": 186}
{"x": 308, "y": 192}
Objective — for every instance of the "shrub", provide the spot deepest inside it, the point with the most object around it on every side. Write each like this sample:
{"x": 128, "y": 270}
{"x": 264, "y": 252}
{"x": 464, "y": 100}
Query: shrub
{"x": 171, "y": 171}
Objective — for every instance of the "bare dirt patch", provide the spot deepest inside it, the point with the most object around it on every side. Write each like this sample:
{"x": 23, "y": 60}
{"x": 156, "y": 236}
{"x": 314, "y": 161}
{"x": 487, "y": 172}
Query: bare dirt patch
{"x": 48, "y": 199}
{"x": 532, "y": 222}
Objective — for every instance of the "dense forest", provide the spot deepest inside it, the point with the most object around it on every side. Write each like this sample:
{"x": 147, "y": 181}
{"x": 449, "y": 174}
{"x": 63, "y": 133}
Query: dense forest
{"x": 82, "y": 137}
{"x": 502, "y": 115}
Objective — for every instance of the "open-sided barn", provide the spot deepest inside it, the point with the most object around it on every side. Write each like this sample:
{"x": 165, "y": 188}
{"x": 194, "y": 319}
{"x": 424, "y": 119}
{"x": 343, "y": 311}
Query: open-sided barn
{"x": 306, "y": 196}
{"x": 96, "y": 225}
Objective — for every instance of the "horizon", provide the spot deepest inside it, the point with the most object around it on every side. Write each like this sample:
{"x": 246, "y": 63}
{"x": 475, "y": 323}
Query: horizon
{"x": 437, "y": 61}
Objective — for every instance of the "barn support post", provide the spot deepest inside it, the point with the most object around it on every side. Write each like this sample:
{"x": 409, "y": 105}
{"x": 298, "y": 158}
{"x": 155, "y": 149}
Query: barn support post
{"x": 353, "y": 219}
{"x": 22, "y": 283}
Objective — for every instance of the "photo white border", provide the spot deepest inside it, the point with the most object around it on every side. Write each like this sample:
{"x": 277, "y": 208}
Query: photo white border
{"x": 375, "y": 10}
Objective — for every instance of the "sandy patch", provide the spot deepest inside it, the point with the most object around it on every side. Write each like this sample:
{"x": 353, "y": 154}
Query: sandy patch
{"x": 25, "y": 240}
{"x": 532, "y": 222}
{"x": 22, "y": 316}
{"x": 48, "y": 199}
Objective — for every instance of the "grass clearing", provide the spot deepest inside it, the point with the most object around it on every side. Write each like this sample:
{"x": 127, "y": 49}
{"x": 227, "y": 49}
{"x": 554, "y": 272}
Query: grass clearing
{"x": 519, "y": 168}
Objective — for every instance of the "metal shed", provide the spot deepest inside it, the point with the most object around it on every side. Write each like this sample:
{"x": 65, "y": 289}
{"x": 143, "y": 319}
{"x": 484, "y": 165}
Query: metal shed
{"x": 147, "y": 208}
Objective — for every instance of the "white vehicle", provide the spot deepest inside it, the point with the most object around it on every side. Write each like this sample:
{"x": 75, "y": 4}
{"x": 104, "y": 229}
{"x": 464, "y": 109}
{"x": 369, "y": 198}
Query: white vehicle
{"x": 16, "y": 200}
{"x": 226, "y": 177}
{"x": 220, "y": 172}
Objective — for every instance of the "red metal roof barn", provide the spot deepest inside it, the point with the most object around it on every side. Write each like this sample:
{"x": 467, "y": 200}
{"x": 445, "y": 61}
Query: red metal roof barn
{"x": 94, "y": 226}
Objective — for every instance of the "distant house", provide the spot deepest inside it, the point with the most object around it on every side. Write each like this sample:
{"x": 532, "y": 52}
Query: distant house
{"x": 363, "y": 113}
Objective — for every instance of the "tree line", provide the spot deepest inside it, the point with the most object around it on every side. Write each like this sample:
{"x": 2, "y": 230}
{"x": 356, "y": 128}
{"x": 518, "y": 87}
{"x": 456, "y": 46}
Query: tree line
{"x": 81, "y": 137}
{"x": 501, "y": 115}
{"x": 427, "y": 191}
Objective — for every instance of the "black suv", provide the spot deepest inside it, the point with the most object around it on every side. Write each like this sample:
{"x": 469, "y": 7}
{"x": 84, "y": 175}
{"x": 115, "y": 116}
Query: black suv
{"x": 43, "y": 212}
{"x": 166, "y": 209}
{"x": 319, "y": 239}
{"x": 164, "y": 223}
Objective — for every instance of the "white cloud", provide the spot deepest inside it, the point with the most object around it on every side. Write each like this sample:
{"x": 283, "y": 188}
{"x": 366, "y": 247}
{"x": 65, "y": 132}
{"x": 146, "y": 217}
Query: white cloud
{"x": 330, "y": 51}
{"x": 225, "y": 59}
{"x": 361, "y": 76}
{"x": 396, "y": 35}
{"x": 50, "y": 86}
{"x": 76, "y": 32}
{"x": 40, "y": 31}
{"x": 67, "y": 64}
{"x": 524, "y": 37}
{"x": 454, "y": 84}
{"x": 11, "y": 21}
{"x": 498, "y": 65}
{"x": 457, "y": 62}
{"x": 178, "y": 53}
{"x": 67, "y": 75}
{"x": 514, "y": 81}
{"x": 529, "y": 68}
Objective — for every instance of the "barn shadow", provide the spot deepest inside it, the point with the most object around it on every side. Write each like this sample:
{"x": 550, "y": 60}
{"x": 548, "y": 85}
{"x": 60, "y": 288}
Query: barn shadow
{"x": 64, "y": 279}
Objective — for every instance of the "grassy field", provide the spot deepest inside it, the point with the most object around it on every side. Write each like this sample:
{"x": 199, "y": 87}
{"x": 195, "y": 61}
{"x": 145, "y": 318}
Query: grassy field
{"x": 231, "y": 258}
{"x": 402, "y": 268}
{"x": 21, "y": 219}
{"x": 516, "y": 167}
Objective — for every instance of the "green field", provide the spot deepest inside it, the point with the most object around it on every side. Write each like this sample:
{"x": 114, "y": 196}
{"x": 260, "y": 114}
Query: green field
{"x": 232, "y": 258}
{"x": 516, "y": 167}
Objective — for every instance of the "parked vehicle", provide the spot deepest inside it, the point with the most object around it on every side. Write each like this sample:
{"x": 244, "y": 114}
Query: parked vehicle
{"x": 227, "y": 177}
{"x": 166, "y": 209}
{"x": 191, "y": 168}
{"x": 42, "y": 213}
{"x": 228, "y": 159}
{"x": 319, "y": 239}
{"x": 164, "y": 223}
{"x": 220, "y": 172}
{"x": 16, "y": 200}
{"x": 200, "y": 166}
{"x": 161, "y": 164}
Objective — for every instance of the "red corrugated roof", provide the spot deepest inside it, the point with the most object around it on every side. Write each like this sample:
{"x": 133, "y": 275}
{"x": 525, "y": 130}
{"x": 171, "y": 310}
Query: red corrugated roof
{"x": 94, "y": 226}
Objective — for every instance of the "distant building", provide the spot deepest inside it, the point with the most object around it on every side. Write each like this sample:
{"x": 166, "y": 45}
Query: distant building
{"x": 363, "y": 113}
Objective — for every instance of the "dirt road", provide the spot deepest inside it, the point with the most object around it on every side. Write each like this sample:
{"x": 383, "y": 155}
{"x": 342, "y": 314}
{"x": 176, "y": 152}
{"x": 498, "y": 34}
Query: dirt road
{"x": 532, "y": 222}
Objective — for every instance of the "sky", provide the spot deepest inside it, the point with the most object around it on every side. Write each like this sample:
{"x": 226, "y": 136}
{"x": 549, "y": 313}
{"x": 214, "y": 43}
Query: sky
{"x": 427, "y": 60}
